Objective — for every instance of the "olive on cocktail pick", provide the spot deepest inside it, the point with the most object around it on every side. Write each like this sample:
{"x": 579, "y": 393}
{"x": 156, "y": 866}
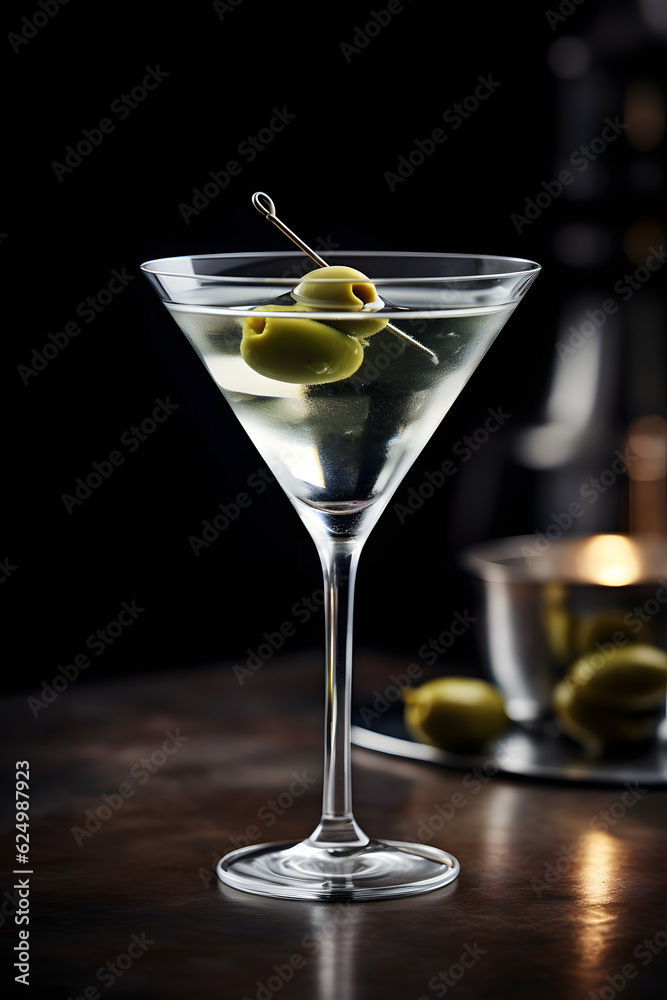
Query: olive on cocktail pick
{"x": 346, "y": 289}
{"x": 299, "y": 350}
{"x": 264, "y": 204}
{"x": 307, "y": 351}
{"x": 349, "y": 289}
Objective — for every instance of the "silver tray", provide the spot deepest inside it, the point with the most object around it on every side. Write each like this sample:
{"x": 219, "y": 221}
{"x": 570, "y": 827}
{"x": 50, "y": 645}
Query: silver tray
{"x": 542, "y": 755}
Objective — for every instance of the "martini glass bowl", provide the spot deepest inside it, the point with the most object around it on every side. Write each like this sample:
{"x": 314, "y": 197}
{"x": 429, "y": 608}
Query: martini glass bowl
{"x": 339, "y": 449}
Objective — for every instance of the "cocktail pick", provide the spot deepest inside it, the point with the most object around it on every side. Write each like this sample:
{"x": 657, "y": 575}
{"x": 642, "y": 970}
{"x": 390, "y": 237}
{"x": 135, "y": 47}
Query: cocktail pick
{"x": 264, "y": 204}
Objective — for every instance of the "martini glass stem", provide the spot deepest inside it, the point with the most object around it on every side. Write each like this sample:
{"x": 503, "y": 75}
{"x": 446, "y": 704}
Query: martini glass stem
{"x": 337, "y": 828}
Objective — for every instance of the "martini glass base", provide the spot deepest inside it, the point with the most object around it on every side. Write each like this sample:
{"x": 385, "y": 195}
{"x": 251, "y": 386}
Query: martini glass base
{"x": 379, "y": 869}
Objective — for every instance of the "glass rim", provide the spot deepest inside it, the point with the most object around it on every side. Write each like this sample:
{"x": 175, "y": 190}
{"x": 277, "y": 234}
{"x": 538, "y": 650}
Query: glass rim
{"x": 532, "y": 268}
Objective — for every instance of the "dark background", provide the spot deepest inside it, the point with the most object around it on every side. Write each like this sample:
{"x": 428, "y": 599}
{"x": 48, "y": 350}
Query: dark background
{"x": 356, "y": 113}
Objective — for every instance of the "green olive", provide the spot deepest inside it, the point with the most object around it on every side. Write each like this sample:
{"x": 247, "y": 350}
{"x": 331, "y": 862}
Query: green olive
{"x": 283, "y": 307}
{"x": 593, "y": 725}
{"x": 325, "y": 289}
{"x": 614, "y": 696}
{"x": 336, "y": 288}
{"x": 359, "y": 327}
{"x": 455, "y": 712}
{"x": 301, "y": 351}
{"x": 601, "y": 627}
{"x": 630, "y": 678}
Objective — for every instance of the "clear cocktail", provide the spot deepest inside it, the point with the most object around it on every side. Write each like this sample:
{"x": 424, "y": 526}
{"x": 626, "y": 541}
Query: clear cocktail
{"x": 339, "y": 441}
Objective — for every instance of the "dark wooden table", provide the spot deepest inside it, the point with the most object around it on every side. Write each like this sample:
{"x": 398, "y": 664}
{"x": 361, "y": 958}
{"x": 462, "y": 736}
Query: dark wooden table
{"x": 139, "y": 785}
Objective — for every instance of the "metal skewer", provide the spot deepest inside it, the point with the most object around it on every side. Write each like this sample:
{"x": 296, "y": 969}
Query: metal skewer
{"x": 264, "y": 204}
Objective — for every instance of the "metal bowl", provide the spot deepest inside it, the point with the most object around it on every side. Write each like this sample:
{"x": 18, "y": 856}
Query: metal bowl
{"x": 545, "y": 602}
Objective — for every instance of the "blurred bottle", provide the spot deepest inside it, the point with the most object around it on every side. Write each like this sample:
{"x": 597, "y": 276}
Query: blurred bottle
{"x": 570, "y": 466}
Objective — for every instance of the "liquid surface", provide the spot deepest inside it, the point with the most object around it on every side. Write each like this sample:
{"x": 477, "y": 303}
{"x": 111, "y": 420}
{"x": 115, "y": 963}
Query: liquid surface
{"x": 341, "y": 446}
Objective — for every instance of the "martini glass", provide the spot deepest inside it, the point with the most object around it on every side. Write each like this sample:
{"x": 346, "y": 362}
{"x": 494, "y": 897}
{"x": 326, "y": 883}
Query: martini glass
{"x": 339, "y": 450}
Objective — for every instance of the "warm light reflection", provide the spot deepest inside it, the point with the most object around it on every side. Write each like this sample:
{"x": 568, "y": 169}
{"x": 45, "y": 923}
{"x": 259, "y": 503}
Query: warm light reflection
{"x": 647, "y": 439}
{"x": 333, "y": 943}
{"x": 644, "y": 115}
{"x": 598, "y": 863}
{"x": 647, "y": 501}
{"x": 638, "y": 239}
{"x": 597, "y": 866}
{"x": 610, "y": 560}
